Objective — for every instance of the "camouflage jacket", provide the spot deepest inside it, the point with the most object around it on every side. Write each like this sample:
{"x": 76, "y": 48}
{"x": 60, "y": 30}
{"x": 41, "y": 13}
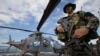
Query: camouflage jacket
{"x": 92, "y": 22}
{"x": 78, "y": 20}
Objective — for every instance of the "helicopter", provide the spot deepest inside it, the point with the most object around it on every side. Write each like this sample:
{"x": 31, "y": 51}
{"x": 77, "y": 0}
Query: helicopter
{"x": 50, "y": 7}
{"x": 32, "y": 45}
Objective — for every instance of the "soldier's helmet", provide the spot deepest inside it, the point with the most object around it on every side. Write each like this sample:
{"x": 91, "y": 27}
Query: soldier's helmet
{"x": 69, "y": 4}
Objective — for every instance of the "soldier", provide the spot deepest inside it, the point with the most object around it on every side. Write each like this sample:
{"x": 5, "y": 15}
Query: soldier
{"x": 80, "y": 25}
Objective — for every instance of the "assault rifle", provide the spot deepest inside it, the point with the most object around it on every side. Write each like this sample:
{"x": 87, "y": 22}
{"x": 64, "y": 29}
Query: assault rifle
{"x": 81, "y": 44}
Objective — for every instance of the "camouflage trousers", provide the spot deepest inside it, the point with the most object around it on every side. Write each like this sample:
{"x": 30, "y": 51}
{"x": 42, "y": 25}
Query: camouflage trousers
{"x": 73, "y": 51}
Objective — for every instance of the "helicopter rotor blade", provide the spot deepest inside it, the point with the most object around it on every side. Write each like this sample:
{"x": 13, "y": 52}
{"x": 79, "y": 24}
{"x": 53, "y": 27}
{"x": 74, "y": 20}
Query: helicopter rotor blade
{"x": 16, "y": 29}
{"x": 25, "y": 30}
{"x": 50, "y": 7}
{"x": 9, "y": 41}
{"x": 48, "y": 34}
{"x": 9, "y": 48}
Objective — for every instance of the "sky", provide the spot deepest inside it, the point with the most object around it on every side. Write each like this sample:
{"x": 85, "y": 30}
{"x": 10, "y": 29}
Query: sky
{"x": 26, "y": 14}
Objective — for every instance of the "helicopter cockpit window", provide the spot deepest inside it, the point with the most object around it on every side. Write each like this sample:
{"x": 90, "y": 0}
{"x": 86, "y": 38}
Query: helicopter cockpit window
{"x": 37, "y": 43}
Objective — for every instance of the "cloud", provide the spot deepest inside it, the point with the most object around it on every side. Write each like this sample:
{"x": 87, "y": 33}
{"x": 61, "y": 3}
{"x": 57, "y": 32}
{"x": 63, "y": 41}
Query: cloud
{"x": 19, "y": 13}
{"x": 88, "y": 5}
{"x": 11, "y": 10}
{"x": 5, "y": 18}
{"x": 79, "y": 4}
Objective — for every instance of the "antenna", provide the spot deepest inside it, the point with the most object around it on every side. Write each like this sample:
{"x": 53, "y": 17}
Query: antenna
{"x": 99, "y": 12}
{"x": 81, "y": 8}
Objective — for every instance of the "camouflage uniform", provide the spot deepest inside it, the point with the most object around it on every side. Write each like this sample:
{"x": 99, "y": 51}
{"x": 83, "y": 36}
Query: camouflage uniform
{"x": 78, "y": 20}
